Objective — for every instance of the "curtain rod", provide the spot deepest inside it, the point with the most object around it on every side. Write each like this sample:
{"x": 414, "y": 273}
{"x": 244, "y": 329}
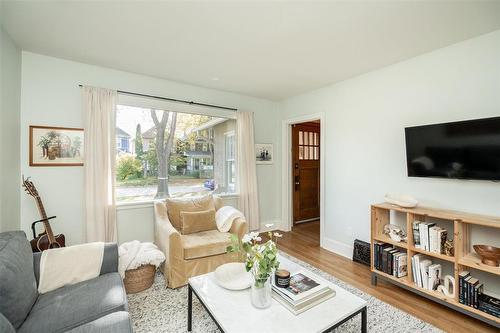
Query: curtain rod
{"x": 173, "y": 100}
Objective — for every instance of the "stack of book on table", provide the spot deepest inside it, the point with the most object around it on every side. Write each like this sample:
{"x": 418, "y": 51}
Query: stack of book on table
{"x": 470, "y": 292}
{"x": 426, "y": 274}
{"x": 305, "y": 291}
{"x": 390, "y": 260}
{"x": 429, "y": 237}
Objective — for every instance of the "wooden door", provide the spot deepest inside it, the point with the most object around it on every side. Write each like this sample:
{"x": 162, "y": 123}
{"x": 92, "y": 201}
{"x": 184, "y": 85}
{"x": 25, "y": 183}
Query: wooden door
{"x": 305, "y": 165}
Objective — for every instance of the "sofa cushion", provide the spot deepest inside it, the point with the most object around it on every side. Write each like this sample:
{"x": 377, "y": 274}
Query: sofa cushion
{"x": 5, "y": 325}
{"x": 116, "y": 322}
{"x": 192, "y": 222}
{"x": 18, "y": 290}
{"x": 206, "y": 243}
{"x": 71, "y": 306}
{"x": 177, "y": 205}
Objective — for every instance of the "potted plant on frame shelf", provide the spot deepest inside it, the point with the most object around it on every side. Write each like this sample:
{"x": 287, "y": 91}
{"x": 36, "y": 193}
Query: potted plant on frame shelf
{"x": 261, "y": 259}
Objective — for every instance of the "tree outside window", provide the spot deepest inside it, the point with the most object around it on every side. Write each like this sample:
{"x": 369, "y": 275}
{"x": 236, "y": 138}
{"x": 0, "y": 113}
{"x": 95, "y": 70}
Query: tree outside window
{"x": 168, "y": 154}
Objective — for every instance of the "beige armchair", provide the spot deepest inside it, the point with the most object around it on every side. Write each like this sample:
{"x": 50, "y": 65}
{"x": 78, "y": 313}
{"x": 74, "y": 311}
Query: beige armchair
{"x": 192, "y": 254}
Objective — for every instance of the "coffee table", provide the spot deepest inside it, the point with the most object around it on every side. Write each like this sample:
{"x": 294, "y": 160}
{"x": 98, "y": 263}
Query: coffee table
{"x": 232, "y": 311}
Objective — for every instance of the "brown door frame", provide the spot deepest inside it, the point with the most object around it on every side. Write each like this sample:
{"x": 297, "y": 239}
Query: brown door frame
{"x": 286, "y": 178}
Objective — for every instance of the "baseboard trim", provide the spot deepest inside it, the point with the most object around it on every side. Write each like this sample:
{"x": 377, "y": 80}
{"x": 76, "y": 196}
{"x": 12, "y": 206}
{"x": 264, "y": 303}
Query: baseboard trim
{"x": 337, "y": 247}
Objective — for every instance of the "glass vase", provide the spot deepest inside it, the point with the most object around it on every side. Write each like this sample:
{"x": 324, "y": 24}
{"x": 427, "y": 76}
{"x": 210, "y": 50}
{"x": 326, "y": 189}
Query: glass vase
{"x": 261, "y": 293}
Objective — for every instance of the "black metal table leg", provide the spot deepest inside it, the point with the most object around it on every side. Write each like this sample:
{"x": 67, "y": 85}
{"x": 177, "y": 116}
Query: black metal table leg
{"x": 190, "y": 307}
{"x": 363, "y": 320}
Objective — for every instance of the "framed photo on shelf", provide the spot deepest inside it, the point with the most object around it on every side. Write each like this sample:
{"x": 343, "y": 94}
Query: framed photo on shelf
{"x": 264, "y": 153}
{"x": 55, "y": 146}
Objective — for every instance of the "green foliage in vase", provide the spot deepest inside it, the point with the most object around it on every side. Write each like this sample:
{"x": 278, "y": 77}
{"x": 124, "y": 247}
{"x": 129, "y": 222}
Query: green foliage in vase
{"x": 261, "y": 259}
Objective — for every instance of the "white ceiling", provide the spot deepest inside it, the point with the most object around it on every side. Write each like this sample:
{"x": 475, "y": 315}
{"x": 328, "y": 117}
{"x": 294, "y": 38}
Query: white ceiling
{"x": 267, "y": 49}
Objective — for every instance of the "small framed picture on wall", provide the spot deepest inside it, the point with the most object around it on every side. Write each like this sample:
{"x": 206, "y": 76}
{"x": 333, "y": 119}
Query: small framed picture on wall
{"x": 55, "y": 146}
{"x": 264, "y": 153}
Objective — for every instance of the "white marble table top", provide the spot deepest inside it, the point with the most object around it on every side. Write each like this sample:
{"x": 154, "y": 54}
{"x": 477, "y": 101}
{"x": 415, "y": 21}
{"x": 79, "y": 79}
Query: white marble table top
{"x": 234, "y": 311}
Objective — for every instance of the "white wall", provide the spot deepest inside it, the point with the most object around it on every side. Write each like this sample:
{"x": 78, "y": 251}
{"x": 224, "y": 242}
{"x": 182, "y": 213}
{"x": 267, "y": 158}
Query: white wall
{"x": 365, "y": 120}
{"x": 50, "y": 96}
{"x": 10, "y": 97}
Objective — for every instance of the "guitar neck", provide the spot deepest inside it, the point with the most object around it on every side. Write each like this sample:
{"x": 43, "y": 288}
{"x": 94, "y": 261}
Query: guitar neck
{"x": 46, "y": 223}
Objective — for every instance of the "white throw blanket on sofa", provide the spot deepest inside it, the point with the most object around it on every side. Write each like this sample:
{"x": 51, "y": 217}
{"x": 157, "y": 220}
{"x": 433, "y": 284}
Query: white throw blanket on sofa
{"x": 69, "y": 265}
{"x": 134, "y": 254}
{"x": 225, "y": 217}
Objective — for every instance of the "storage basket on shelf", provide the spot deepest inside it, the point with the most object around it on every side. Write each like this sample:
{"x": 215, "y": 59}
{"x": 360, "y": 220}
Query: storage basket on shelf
{"x": 139, "y": 279}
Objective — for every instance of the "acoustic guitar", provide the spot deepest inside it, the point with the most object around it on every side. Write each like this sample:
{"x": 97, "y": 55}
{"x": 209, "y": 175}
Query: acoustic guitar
{"x": 46, "y": 239}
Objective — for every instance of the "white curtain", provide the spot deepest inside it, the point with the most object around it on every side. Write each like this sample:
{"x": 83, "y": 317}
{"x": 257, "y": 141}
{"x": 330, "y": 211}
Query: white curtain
{"x": 247, "y": 175}
{"x": 99, "y": 106}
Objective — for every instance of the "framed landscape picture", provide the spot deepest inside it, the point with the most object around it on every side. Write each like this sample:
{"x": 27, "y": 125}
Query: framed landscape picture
{"x": 56, "y": 146}
{"x": 264, "y": 153}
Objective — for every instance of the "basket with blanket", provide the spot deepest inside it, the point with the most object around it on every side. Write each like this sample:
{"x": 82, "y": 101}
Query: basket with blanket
{"x": 137, "y": 265}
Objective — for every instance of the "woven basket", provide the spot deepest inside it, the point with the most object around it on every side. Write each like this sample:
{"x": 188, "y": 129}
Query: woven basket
{"x": 139, "y": 279}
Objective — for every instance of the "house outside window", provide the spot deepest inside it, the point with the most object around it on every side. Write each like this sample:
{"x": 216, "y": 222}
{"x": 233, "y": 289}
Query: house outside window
{"x": 197, "y": 156}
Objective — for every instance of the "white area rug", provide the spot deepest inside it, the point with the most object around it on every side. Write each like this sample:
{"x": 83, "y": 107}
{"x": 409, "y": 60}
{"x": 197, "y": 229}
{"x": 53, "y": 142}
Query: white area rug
{"x": 159, "y": 309}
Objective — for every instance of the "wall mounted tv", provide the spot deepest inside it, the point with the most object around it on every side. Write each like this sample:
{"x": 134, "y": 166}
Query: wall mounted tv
{"x": 463, "y": 149}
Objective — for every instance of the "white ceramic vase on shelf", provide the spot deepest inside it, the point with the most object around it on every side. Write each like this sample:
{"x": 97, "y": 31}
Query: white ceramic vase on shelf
{"x": 261, "y": 294}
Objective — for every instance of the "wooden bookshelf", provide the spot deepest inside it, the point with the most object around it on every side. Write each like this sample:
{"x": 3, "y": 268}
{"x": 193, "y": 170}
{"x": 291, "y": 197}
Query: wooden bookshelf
{"x": 462, "y": 260}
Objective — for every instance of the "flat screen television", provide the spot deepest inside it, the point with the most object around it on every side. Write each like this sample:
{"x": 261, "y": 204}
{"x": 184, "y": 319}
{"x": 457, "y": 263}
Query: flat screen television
{"x": 463, "y": 149}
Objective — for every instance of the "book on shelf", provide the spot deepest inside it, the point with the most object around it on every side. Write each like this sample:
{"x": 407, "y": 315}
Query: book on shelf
{"x": 305, "y": 291}
{"x": 416, "y": 234}
{"x": 461, "y": 285}
{"x": 442, "y": 237}
{"x": 478, "y": 290}
{"x": 489, "y": 304}
{"x": 434, "y": 276}
{"x": 434, "y": 245}
{"x": 390, "y": 260}
{"x": 402, "y": 265}
{"x": 417, "y": 277}
{"x": 424, "y": 272}
{"x": 466, "y": 290}
{"x": 471, "y": 288}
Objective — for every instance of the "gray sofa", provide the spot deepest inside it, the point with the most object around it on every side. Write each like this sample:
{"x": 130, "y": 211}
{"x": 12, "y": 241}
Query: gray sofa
{"x": 96, "y": 305}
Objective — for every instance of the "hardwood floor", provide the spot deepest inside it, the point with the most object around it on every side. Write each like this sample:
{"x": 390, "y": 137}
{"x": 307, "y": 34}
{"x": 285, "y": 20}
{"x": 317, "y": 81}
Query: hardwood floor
{"x": 303, "y": 243}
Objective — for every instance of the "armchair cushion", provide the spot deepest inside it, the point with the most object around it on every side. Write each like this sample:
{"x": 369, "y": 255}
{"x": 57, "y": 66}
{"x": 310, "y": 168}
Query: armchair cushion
{"x": 18, "y": 290}
{"x": 193, "y": 222}
{"x": 205, "y": 244}
{"x": 177, "y": 205}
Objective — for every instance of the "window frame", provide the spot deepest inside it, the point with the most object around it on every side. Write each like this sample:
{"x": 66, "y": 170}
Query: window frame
{"x": 147, "y": 103}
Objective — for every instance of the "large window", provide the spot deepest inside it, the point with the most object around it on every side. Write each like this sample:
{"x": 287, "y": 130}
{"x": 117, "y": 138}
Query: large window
{"x": 161, "y": 153}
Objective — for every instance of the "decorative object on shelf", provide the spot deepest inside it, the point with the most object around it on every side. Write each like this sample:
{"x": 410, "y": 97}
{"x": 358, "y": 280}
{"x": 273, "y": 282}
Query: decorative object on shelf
{"x": 55, "y": 146}
{"x": 233, "y": 276}
{"x": 264, "y": 153}
{"x": 395, "y": 232}
{"x": 448, "y": 289}
{"x": 490, "y": 255}
{"x": 261, "y": 259}
{"x": 449, "y": 248}
{"x": 361, "y": 252}
{"x": 401, "y": 200}
{"x": 282, "y": 278}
